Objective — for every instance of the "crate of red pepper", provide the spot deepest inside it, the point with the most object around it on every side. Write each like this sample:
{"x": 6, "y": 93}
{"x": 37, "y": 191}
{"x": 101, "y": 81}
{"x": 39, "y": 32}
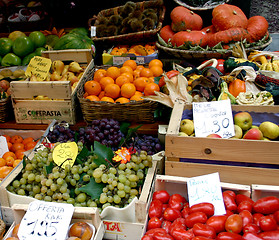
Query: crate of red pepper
{"x": 171, "y": 218}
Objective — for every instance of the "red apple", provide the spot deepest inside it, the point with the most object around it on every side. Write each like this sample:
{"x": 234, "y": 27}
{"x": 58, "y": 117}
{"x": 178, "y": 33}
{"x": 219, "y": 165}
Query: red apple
{"x": 243, "y": 120}
{"x": 213, "y": 135}
{"x": 253, "y": 134}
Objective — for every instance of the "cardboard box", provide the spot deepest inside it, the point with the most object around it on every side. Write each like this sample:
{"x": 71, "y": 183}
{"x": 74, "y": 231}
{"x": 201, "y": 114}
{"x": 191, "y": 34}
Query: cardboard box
{"x": 237, "y": 160}
{"x": 90, "y": 215}
{"x": 65, "y": 105}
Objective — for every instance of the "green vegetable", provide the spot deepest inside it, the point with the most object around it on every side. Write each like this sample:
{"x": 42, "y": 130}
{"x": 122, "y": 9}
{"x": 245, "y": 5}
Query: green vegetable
{"x": 51, "y": 40}
{"x": 80, "y": 31}
{"x": 230, "y": 64}
{"x": 10, "y": 59}
{"x": 225, "y": 94}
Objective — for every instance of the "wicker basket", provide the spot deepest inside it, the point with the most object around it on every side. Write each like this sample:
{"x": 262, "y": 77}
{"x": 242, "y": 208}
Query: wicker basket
{"x": 189, "y": 4}
{"x": 203, "y": 55}
{"x": 130, "y": 37}
{"x": 6, "y": 109}
{"x": 134, "y": 111}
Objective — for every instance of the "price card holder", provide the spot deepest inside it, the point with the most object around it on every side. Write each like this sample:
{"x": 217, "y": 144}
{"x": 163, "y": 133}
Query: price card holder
{"x": 206, "y": 188}
{"x": 213, "y": 118}
{"x": 3, "y": 146}
{"x": 65, "y": 154}
{"x": 39, "y": 67}
{"x": 46, "y": 220}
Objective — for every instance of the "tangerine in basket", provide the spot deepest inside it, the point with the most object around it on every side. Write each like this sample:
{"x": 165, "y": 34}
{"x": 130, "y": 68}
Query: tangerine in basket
{"x": 82, "y": 230}
{"x": 8, "y": 138}
{"x": 20, "y": 153}
{"x": 136, "y": 73}
{"x": 130, "y": 76}
{"x": 121, "y": 80}
{"x": 92, "y": 87}
{"x": 105, "y": 81}
{"x": 10, "y": 161}
{"x": 112, "y": 90}
{"x": 136, "y": 97}
{"x": 122, "y": 100}
{"x": 99, "y": 74}
{"x": 131, "y": 63}
{"x": 146, "y": 72}
{"x": 101, "y": 95}
{"x": 17, "y": 146}
{"x": 2, "y": 162}
{"x": 140, "y": 83}
{"x": 16, "y": 139}
{"x": 93, "y": 98}
{"x": 124, "y": 69}
{"x": 16, "y": 162}
{"x": 128, "y": 90}
{"x": 8, "y": 154}
{"x": 157, "y": 71}
{"x": 27, "y": 140}
{"x": 30, "y": 145}
{"x": 155, "y": 62}
{"x": 107, "y": 99}
{"x": 150, "y": 89}
{"x": 4, "y": 171}
{"x": 113, "y": 72}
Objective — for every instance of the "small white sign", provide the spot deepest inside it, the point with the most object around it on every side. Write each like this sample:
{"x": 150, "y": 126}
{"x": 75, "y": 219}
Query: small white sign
{"x": 213, "y": 118}
{"x": 3, "y": 146}
{"x": 206, "y": 188}
{"x": 46, "y": 221}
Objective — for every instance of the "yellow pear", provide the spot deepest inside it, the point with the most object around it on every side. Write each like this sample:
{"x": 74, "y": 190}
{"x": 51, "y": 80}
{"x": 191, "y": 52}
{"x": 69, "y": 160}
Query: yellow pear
{"x": 57, "y": 66}
{"x": 55, "y": 76}
{"x": 75, "y": 67}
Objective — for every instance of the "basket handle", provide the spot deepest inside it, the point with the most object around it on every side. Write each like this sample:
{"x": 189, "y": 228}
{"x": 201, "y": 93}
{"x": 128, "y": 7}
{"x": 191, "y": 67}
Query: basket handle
{"x": 94, "y": 18}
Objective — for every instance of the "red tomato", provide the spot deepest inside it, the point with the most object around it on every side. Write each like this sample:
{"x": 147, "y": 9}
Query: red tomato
{"x": 162, "y": 236}
{"x": 245, "y": 205}
{"x": 250, "y": 236}
{"x": 271, "y": 235}
{"x": 251, "y": 228}
{"x": 201, "y": 238}
{"x": 177, "y": 201}
{"x": 196, "y": 217}
{"x": 171, "y": 214}
{"x": 228, "y": 236}
{"x": 165, "y": 206}
{"x": 247, "y": 217}
{"x": 151, "y": 232}
{"x": 231, "y": 193}
{"x": 228, "y": 212}
{"x": 266, "y": 205}
{"x": 234, "y": 223}
{"x": 178, "y": 223}
{"x": 155, "y": 209}
{"x": 170, "y": 74}
{"x": 146, "y": 237}
{"x": 161, "y": 195}
{"x": 256, "y": 218}
{"x": 200, "y": 229}
{"x": 166, "y": 225}
{"x": 207, "y": 208}
{"x": 154, "y": 222}
{"x": 185, "y": 212}
{"x": 276, "y": 216}
{"x": 182, "y": 234}
{"x": 229, "y": 201}
{"x": 267, "y": 223}
{"x": 217, "y": 222}
{"x": 241, "y": 197}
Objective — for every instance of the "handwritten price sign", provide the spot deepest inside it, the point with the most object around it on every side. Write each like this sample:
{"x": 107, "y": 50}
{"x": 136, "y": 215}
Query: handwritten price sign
{"x": 206, "y": 188}
{"x": 3, "y": 146}
{"x": 213, "y": 118}
{"x": 65, "y": 154}
{"x": 46, "y": 221}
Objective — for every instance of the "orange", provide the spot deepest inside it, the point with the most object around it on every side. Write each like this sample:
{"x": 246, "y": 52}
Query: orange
{"x": 17, "y": 146}
{"x": 130, "y": 76}
{"x": 155, "y": 62}
{"x": 102, "y": 94}
{"x": 30, "y": 145}
{"x": 4, "y": 171}
{"x": 8, "y": 138}
{"x": 20, "y": 153}
{"x": 105, "y": 81}
{"x": 107, "y": 99}
{"x": 16, "y": 162}
{"x": 10, "y": 145}
{"x": 99, "y": 74}
{"x": 157, "y": 71}
{"x": 2, "y": 162}
{"x": 92, "y": 87}
{"x": 112, "y": 90}
{"x": 27, "y": 140}
{"x": 136, "y": 97}
{"x": 122, "y": 100}
{"x": 140, "y": 83}
{"x": 131, "y": 63}
{"x": 16, "y": 139}
{"x": 8, "y": 154}
{"x": 136, "y": 73}
{"x": 146, "y": 72}
{"x": 150, "y": 89}
{"x": 121, "y": 80}
{"x": 128, "y": 90}
{"x": 93, "y": 98}
{"x": 113, "y": 72}
{"x": 85, "y": 95}
{"x": 124, "y": 69}
{"x": 138, "y": 93}
{"x": 10, "y": 161}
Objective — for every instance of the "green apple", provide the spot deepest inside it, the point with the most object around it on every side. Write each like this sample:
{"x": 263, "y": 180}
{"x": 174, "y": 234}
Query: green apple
{"x": 238, "y": 131}
{"x": 243, "y": 120}
{"x": 269, "y": 130}
{"x": 187, "y": 126}
{"x": 183, "y": 134}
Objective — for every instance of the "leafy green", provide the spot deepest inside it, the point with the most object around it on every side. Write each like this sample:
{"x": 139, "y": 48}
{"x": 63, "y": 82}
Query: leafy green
{"x": 93, "y": 189}
{"x": 82, "y": 156}
{"x": 129, "y": 134}
{"x": 49, "y": 168}
{"x": 104, "y": 154}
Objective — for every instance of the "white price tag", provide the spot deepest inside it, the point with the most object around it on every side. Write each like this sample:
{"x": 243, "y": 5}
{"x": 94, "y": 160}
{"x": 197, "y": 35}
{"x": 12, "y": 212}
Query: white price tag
{"x": 46, "y": 221}
{"x": 93, "y": 31}
{"x": 3, "y": 146}
{"x": 206, "y": 188}
{"x": 213, "y": 118}
{"x": 119, "y": 60}
{"x": 140, "y": 60}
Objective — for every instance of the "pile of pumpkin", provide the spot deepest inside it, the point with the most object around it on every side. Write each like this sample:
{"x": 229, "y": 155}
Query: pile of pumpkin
{"x": 229, "y": 24}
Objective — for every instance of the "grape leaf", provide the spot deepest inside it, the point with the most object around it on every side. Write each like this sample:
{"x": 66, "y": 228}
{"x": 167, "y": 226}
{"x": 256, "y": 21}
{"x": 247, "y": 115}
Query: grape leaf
{"x": 93, "y": 189}
{"x": 129, "y": 134}
{"x": 82, "y": 156}
{"x": 124, "y": 127}
{"x": 49, "y": 168}
{"x": 104, "y": 154}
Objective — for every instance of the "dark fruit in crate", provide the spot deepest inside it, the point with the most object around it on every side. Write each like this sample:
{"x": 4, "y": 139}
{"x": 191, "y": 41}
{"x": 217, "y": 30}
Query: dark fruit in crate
{"x": 61, "y": 133}
{"x": 81, "y": 230}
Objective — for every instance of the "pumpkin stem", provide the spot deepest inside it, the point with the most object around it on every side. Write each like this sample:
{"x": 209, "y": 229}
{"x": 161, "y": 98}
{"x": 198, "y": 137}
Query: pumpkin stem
{"x": 192, "y": 12}
{"x": 234, "y": 12}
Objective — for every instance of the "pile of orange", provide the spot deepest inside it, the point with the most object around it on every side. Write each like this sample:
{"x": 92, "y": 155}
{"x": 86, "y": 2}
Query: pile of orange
{"x": 138, "y": 49}
{"x": 125, "y": 83}
{"x": 17, "y": 146}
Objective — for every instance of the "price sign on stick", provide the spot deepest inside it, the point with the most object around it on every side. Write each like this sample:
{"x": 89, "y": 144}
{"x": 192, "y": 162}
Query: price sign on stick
{"x": 46, "y": 221}
{"x": 213, "y": 118}
{"x": 3, "y": 146}
{"x": 65, "y": 154}
{"x": 206, "y": 188}
{"x": 39, "y": 67}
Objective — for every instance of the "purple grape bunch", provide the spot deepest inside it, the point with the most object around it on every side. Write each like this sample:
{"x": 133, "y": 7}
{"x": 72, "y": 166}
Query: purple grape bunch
{"x": 106, "y": 131}
{"x": 61, "y": 133}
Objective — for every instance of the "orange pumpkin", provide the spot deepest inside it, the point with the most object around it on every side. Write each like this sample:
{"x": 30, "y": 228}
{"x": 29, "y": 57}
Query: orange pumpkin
{"x": 237, "y": 86}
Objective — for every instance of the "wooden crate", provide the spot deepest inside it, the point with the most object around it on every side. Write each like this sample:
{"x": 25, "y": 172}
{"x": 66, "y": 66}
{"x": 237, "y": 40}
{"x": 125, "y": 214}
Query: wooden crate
{"x": 238, "y": 161}
{"x": 176, "y": 184}
{"x": 65, "y": 105}
{"x": 89, "y": 215}
{"x": 260, "y": 191}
